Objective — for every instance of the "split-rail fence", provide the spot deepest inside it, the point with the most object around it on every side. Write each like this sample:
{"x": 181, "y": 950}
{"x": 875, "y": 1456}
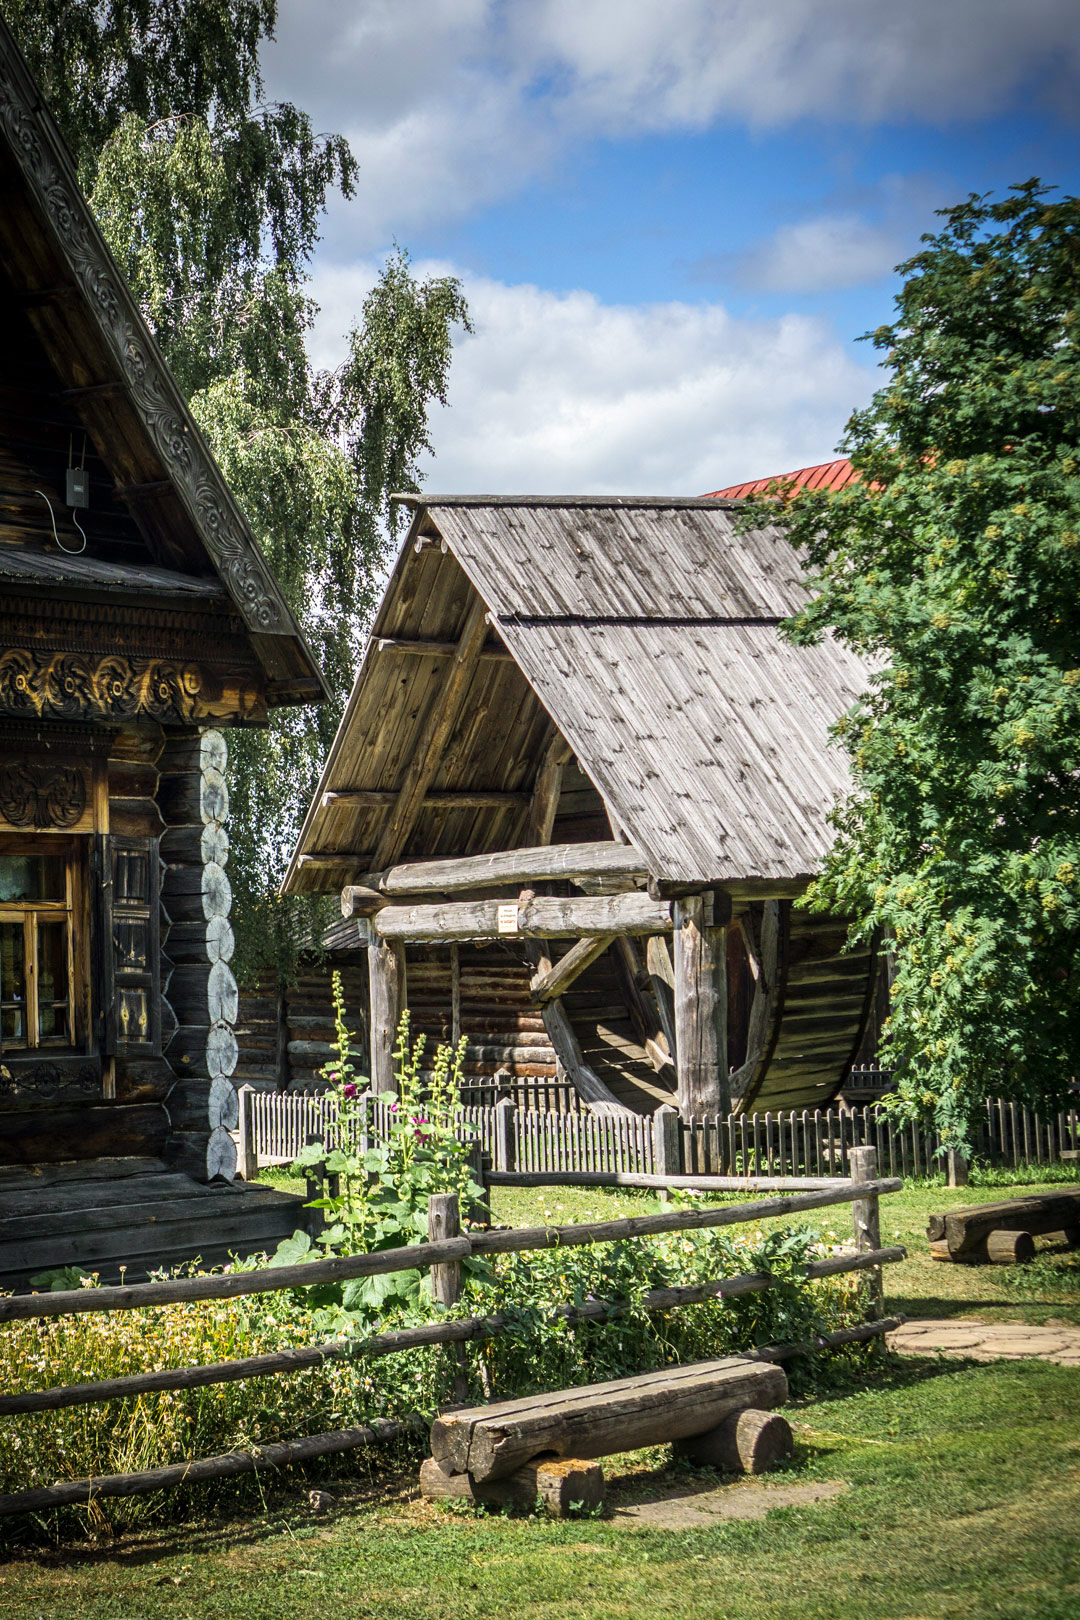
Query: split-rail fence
{"x": 448, "y": 1246}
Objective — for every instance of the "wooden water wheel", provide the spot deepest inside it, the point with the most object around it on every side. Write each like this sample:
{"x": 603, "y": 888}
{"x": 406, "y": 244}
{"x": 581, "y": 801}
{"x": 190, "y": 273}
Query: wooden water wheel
{"x": 809, "y": 1010}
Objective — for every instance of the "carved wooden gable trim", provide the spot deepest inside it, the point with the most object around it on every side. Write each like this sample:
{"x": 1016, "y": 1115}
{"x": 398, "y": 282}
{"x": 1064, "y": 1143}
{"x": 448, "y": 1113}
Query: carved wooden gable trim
{"x": 46, "y": 167}
{"x": 72, "y": 686}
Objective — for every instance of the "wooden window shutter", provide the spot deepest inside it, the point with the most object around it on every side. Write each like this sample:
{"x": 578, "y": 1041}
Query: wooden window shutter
{"x": 131, "y": 931}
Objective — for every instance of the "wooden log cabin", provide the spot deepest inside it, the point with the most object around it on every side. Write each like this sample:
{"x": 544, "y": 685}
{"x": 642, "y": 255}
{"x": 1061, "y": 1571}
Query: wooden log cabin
{"x": 138, "y": 623}
{"x": 580, "y": 781}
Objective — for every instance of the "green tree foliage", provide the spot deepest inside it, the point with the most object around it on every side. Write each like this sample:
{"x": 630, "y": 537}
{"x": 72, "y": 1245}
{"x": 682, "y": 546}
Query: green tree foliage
{"x": 954, "y": 564}
{"x": 211, "y": 200}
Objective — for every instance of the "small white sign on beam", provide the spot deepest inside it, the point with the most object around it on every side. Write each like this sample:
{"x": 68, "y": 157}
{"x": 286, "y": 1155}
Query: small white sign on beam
{"x": 506, "y": 919}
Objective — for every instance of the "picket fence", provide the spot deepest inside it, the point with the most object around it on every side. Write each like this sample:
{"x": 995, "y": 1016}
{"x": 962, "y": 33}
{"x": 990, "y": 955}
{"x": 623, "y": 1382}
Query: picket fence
{"x": 274, "y": 1126}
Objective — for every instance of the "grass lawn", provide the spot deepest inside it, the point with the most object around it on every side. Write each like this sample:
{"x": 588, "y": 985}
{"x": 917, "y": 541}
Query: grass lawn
{"x": 955, "y": 1491}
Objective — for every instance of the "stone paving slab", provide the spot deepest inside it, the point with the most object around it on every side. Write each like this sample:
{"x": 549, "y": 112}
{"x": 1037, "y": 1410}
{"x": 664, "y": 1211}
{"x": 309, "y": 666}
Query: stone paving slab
{"x": 986, "y": 1341}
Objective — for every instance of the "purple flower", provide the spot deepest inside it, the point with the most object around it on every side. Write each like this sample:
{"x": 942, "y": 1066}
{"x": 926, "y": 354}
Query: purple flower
{"x": 349, "y": 1090}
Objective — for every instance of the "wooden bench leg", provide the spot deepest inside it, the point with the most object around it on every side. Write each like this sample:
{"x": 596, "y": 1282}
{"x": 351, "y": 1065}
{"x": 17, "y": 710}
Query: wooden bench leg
{"x": 1003, "y": 1248}
{"x": 747, "y": 1442}
{"x": 559, "y": 1484}
{"x": 1000, "y": 1248}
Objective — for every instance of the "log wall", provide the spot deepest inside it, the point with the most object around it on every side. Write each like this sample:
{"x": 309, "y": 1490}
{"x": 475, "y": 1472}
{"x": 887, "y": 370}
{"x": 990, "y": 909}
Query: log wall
{"x": 199, "y": 990}
{"x": 285, "y": 1036}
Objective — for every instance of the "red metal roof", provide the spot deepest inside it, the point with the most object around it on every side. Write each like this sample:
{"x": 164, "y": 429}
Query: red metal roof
{"x": 829, "y": 475}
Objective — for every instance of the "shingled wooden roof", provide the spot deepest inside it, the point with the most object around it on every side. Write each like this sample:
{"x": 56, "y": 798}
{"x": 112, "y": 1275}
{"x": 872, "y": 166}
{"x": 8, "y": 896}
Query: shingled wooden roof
{"x": 647, "y": 632}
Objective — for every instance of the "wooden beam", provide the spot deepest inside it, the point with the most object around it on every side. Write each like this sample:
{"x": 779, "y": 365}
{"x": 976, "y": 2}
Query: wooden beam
{"x": 644, "y": 1011}
{"x": 546, "y": 790}
{"x": 573, "y": 862}
{"x": 700, "y": 1011}
{"x": 457, "y": 799}
{"x": 441, "y": 721}
{"x": 567, "y": 1048}
{"x": 741, "y": 890}
{"x": 433, "y": 649}
{"x": 662, "y": 979}
{"x": 543, "y": 916}
{"x": 386, "y": 972}
{"x": 549, "y": 986}
{"x": 323, "y": 857}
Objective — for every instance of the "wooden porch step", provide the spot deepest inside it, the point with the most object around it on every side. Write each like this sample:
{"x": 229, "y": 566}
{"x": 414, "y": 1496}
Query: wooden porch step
{"x": 139, "y": 1221}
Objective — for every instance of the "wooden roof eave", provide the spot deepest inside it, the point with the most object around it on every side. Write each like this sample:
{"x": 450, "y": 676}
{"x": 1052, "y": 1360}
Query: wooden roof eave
{"x": 307, "y": 856}
{"x": 94, "y": 335}
{"x": 289, "y": 883}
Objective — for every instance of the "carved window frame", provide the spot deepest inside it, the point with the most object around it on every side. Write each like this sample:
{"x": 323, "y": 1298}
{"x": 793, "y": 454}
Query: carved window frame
{"x": 73, "y": 910}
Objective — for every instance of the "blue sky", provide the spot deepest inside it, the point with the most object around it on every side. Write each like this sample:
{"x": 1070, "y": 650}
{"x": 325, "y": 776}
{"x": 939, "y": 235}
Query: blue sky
{"x": 672, "y": 219}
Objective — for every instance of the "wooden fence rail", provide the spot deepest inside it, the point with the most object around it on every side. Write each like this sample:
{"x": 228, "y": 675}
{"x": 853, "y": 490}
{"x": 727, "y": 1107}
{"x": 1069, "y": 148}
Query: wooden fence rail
{"x": 532, "y": 1142}
{"x": 271, "y": 1279}
{"x": 447, "y": 1255}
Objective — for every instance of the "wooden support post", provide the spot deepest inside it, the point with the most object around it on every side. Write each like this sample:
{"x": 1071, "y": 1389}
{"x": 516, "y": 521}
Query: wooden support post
{"x": 505, "y": 1145}
{"x": 455, "y": 994}
{"x": 563, "y": 1485}
{"x": 314, "y": 1187}
{"x": 282, "y": 1071}
{"x": 866, "y": 1216}
{"x": 249, "y": 1161}
{"x": 444, "y": 1221}
{"x": 957, "y": 1167}
{"x": 700, "y": 1011}
{"x": 716, "y": 938}
{"x": 667, "y": 1142}
{"x": 386, "y": 969}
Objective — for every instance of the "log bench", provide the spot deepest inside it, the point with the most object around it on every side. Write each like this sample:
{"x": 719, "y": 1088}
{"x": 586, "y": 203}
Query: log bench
{"x": 544, "y": 1446}
{"x": 1004, "y": 1231}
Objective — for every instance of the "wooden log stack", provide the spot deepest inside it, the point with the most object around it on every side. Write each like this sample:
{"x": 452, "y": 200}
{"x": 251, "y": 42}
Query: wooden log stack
{"x": 1003, "y": 1231}
{"x": 201, "y": 991}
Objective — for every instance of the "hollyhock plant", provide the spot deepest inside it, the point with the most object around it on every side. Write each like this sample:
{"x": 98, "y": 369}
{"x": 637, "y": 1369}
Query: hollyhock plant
{"x": 392, "y": 1152}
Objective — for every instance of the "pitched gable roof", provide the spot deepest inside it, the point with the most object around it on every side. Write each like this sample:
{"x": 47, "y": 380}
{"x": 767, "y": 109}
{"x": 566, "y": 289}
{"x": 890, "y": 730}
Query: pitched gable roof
{"x": 827, "y": 475}
{"x": 59, "y": 269}
{"x": 647, "y": 630}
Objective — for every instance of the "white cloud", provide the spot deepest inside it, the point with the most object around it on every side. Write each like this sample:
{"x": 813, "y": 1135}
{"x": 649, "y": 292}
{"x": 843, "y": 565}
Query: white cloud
{"x": 831, "y": 252}
{"x": 560, "y": 393}
{"x": 684, "y": 63}
{"x": 453, "y": 103}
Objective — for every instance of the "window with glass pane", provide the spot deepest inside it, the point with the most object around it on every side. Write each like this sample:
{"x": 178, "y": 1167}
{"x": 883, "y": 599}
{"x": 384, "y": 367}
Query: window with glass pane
{"x": 36, "y": 909}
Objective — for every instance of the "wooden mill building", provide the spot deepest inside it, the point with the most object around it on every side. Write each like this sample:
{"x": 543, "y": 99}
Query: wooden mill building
{"x": 580, "y": 782}
{"x": 138, "y": 622}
